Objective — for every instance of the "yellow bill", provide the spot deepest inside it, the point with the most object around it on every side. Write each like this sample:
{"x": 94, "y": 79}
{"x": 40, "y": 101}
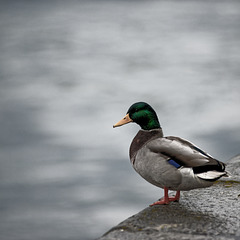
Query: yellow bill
{"x": 125, "y": 120}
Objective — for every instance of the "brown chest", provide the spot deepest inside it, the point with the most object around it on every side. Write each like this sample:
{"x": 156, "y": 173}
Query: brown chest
{"x": 141, "y": 139}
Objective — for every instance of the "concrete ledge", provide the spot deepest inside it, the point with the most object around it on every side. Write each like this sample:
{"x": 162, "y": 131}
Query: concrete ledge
{"x": 210, "y": 213}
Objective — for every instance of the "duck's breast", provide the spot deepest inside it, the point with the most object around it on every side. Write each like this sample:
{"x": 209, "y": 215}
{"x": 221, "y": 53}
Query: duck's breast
{"x": 155, "y": 168}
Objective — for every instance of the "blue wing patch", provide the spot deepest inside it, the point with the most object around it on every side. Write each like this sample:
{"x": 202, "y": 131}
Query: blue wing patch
{"x": 175, "y": 164}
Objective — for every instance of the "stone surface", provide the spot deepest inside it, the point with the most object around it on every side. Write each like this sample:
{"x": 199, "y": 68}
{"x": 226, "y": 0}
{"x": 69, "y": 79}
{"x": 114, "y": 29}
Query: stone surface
{"x": 233, "y": 166}
{"x": 210, "y": 213}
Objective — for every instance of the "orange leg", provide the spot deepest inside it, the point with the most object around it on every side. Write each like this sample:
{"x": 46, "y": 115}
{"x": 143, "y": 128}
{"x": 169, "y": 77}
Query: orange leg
{"x": 176, "y": 198}
{"x": 166, "y": 199}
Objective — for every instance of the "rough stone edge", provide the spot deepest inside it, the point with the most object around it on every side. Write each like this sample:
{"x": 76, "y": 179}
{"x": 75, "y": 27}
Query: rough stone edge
{"x": 233, "y": 167}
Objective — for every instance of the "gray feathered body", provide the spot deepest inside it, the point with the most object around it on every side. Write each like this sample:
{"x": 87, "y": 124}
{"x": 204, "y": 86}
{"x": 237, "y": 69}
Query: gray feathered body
{"x": 173, "y": 162}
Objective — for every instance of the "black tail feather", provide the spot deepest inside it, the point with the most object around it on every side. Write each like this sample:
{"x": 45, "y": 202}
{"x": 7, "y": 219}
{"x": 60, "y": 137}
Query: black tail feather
{"x": 220, "y": 167}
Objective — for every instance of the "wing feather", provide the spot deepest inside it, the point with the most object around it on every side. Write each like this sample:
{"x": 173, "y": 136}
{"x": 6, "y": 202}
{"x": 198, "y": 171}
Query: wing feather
{"x": 183, "y": 152}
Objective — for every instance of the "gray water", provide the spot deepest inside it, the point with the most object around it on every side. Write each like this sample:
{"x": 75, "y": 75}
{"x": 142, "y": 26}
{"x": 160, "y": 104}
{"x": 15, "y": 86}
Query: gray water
{"x": 69, "y": 70}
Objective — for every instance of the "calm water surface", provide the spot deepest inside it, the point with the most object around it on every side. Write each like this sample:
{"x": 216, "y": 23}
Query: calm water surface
{"x": 69, "y": 70}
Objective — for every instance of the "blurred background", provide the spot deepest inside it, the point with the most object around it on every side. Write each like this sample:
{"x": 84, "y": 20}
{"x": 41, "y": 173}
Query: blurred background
{"x": 70, "y": 69}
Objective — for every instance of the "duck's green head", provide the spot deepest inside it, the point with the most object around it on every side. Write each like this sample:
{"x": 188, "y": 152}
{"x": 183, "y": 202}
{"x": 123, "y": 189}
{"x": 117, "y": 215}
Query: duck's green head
{"x": 142, "y": 114}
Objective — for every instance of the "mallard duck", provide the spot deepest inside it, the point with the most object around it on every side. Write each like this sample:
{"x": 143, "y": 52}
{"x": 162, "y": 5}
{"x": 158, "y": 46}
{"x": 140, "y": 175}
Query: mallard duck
{"x": 171, "y": 163}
